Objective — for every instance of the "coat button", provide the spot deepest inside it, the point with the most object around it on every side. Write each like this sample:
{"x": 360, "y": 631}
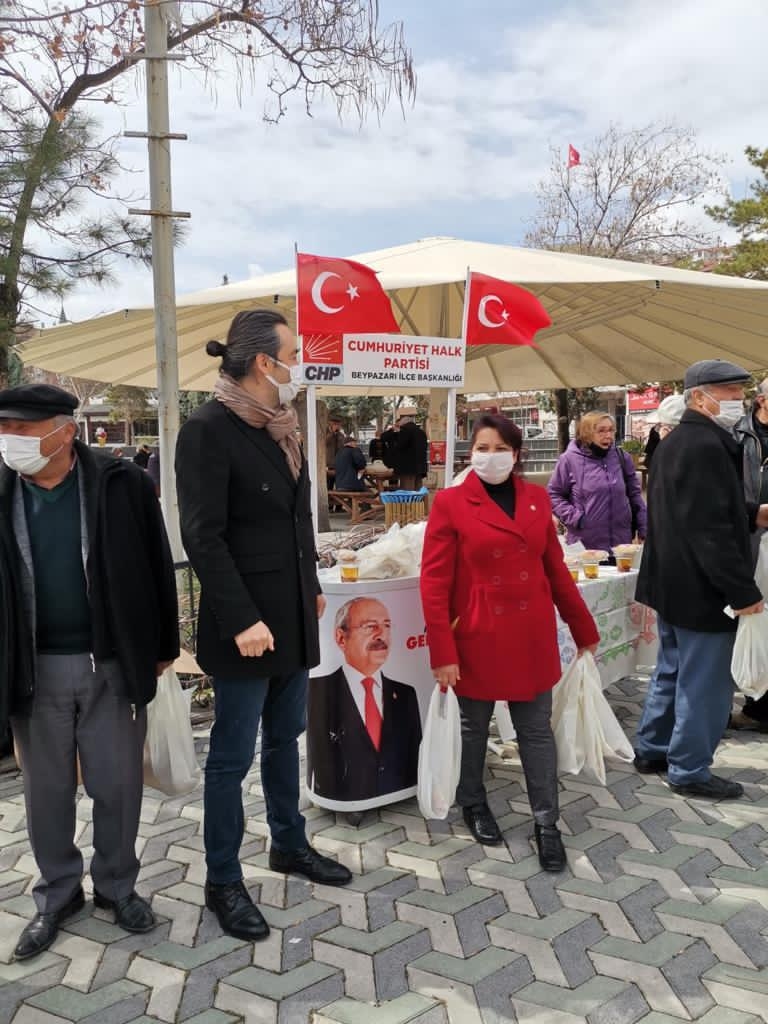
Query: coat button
{"x": 265, "y": 487}
{"x": 499, "y": 609}
{"x": 523, "y": 575}
{"x": 497, "y": 552}
{"x": 301, "y": 554}
{"x": 496, "y": 580}
{"x": 523, "y": 606}
{"x": 523, "y": 548}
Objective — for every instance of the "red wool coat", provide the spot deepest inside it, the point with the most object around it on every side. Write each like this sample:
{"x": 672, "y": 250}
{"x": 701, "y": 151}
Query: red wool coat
{"x": 501, "y": 578}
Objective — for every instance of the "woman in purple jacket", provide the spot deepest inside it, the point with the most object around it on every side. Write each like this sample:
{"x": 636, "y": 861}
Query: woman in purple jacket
{"x": 594, "y": 490}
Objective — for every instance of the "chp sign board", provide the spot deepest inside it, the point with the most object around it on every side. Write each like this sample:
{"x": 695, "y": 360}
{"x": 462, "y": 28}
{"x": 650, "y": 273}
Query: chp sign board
{"x": 383, "y": 360}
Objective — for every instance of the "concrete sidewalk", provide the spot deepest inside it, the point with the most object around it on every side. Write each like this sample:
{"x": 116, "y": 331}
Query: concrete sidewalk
{"x": 661, "y": 916}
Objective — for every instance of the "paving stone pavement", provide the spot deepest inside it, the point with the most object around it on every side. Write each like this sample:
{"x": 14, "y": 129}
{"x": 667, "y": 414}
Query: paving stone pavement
{"x": 660, "y": 917}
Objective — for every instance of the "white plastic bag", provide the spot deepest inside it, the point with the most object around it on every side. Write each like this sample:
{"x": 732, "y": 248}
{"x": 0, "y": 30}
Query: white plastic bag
{"x": 586, "y": 730}
{"x": 387, "y": 558}
{"x": 761, "y": 570}
{"x": 439, "y": 755}
{"x": 749, "y": 663}
{"x": 170, "y": 764}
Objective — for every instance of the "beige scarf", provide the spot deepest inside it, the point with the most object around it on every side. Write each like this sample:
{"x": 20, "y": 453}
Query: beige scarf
{"x": 280, "y": 423}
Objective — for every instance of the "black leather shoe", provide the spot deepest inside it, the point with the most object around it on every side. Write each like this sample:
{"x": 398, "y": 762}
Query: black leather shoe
{"x": 311, "y": 864}
{"x": 713, "y": 788}
{"x": 131, "y": 912}
{"x": 482, "y": 824}
{"x": 550, "y": 847}
{"x": 648, "y": 765}
{"x": 43, "y": 928}
{"x": 235, "y": 911}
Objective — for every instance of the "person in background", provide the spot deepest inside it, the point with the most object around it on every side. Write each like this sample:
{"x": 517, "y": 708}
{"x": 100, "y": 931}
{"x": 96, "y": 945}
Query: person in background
{"x": 752, "y": 430}
{"x": 244, "y": 503}
{"x": 376, "y": 448}
{"x": 350, "y": 461}
{"x": 141, "y": 458}
{"x": 92, "y": 621}
{"x": 595, "y": 490}
{"x": 492, "y": 578}
{"x": 651, "y": 443}
{"x": 668, "y": 416}
{"x": 334, "y": 442}
{"x": 409, "y": 454}
{"x": 153, "y": 469}
{"x": 696, "y": 561}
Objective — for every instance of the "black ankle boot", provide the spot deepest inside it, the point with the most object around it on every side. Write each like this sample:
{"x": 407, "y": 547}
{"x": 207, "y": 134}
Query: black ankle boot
{"x": 550, "y": 847}
{"x": 235, "y": 911}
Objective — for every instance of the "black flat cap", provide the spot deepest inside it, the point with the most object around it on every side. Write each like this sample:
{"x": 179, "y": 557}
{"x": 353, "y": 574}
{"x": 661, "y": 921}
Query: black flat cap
{"x": 36, "y": 402}
{"x": 714, "y": 371}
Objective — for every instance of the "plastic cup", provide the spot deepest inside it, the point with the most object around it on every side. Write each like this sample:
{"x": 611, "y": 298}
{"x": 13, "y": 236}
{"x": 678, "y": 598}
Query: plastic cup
{"x": 591, "y": 570}
{"x": 574, "y": 571}
{"x": 349, "y": 572}
{"x": 624, "y": 562}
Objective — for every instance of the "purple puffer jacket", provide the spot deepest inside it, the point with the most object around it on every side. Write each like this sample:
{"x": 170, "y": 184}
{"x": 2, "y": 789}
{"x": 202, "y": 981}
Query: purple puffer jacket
{"x": 597, "y": 498}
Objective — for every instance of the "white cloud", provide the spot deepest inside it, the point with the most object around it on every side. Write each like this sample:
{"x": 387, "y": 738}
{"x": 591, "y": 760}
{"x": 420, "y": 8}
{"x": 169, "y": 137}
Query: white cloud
{"x": 478, "y": 134}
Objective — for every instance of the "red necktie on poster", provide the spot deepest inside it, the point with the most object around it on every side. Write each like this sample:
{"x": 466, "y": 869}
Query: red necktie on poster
{"x": 372, "y": 713}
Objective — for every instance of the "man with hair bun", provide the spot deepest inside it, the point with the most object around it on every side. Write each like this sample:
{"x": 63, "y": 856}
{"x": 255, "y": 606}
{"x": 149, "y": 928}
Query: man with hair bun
{"x": 247, "y": 528}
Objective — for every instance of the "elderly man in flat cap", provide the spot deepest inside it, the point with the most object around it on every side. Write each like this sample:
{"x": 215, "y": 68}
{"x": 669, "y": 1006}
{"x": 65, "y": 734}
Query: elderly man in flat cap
{"x": 697, "y": 560}
{"x": 89, "y": 620}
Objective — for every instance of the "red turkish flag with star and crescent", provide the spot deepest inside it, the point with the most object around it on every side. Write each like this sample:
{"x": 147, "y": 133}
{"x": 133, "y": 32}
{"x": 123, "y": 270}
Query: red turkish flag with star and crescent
{"x": 574, "y": 157}
{"x": 337, "y": 296}
{"x": 500, "y": 313}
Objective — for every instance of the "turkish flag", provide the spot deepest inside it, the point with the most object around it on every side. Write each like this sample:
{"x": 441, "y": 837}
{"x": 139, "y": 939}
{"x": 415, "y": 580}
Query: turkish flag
{"x": 336, "y": 297}
{"x": 574, "y": 157}
{"x": 500, "y": 313}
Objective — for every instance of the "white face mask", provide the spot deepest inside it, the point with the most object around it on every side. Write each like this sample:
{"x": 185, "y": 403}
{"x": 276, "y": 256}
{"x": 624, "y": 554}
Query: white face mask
{"x": 22, "y": 453}
{"x": 493, "y": 467}
{"x": 288, "y": 391}
{"x": 731, "y": 411}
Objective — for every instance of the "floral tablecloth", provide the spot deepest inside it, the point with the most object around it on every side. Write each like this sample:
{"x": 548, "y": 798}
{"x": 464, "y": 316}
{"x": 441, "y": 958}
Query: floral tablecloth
{"x": 628, "y": 638}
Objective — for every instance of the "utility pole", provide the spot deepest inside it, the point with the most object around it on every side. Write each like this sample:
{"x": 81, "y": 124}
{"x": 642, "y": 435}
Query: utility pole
{"x": 159, "y": 137}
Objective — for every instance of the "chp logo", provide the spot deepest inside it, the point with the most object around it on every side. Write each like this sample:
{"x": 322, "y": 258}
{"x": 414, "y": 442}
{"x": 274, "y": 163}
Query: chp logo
{"x": 322, "y": 359}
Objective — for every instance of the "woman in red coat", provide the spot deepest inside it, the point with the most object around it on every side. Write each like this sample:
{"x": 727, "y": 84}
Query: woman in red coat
{"x": 492, "y": 574}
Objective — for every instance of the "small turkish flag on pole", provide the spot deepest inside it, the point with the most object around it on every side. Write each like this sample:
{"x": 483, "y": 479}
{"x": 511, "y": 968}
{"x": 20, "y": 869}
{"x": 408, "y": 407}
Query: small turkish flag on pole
{"x": 574, "y": 157}
{"x": 499, "y": 313}
{"x": 336, "y": 296}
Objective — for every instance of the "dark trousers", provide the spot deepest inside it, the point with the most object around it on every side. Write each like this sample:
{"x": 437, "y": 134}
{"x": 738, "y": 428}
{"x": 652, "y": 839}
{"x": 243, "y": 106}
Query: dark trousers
{"x": 81, "y": 709}
{"x": 536, "y": 743}
{"x": 279, "y": 702}
{"x": 410, "y": 481}
{"x": 757, "y": 709}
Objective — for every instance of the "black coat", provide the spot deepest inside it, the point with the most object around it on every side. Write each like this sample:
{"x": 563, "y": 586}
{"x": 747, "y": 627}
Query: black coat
{"x": 130, "y": 576}
{"x": 247, "y": 530}
{"x": 342, "y": 762}
{"x": 409, "y": 456}
{"x": 348, "y": 464}
{"x": 696, "y": 558}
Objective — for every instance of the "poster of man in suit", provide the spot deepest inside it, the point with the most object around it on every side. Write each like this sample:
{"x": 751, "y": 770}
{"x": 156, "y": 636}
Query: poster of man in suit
{"x": 363, "y": 723}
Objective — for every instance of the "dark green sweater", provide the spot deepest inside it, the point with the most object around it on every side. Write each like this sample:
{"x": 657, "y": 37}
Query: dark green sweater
{"x": 61, "y": 597}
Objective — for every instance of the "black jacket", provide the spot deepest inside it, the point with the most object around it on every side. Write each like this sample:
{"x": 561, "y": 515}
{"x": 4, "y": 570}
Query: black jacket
{"x": 348, "y": 464}
{"x": 697, "y": 558}
{"x": 342, "y": 763}
{"x": 130, "y": 576}
{"x": 755, "y": 469}
{"x": 247, "y": 530}
{"x": 409, "y": 456}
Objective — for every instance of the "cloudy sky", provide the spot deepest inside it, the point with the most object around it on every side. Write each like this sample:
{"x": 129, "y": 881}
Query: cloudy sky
{"x": 497, "y": 86}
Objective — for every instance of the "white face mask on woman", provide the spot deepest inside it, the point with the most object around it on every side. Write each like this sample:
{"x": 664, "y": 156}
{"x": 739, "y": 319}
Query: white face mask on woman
{"x": 22, "y": 454}
{"x": 493, "y": 467}
{"x": 287, "y": 392}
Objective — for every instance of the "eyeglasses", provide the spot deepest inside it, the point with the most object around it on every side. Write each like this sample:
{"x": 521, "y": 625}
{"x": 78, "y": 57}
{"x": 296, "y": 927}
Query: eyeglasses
{"x": 369, "y": 628}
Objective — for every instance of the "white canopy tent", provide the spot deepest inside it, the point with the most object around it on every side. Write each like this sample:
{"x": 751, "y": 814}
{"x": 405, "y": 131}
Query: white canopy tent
{"x": 613, "y": 322}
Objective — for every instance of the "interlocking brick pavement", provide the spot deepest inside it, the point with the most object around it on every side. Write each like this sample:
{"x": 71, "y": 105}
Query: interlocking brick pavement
{"x": 661, "y": 915}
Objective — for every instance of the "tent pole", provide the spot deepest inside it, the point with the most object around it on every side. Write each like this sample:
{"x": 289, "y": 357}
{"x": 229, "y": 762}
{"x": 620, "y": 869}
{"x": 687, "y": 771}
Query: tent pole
{"x": 312, "y": 452}
{"x": 450, "y": 436}
{"x": 166, "y": 344}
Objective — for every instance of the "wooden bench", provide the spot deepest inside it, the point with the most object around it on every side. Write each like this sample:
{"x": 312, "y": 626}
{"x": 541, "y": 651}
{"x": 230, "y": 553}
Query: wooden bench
{"x": 351, "y": 501}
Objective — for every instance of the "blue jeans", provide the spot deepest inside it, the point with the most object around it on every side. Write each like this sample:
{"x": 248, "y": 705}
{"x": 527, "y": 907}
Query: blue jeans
{"x": 280, "y": 703}
{"x": 688, "y": 702}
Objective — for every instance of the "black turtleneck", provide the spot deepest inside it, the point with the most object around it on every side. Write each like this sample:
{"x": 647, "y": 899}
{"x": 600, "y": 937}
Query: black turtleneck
{"x": 597, "y": 450}
{"x": 503, "y": 494}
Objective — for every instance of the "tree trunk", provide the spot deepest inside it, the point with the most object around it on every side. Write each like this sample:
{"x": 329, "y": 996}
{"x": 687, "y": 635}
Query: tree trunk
{"x": 563, "y": 419}
{"x": 323, "y": 520}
